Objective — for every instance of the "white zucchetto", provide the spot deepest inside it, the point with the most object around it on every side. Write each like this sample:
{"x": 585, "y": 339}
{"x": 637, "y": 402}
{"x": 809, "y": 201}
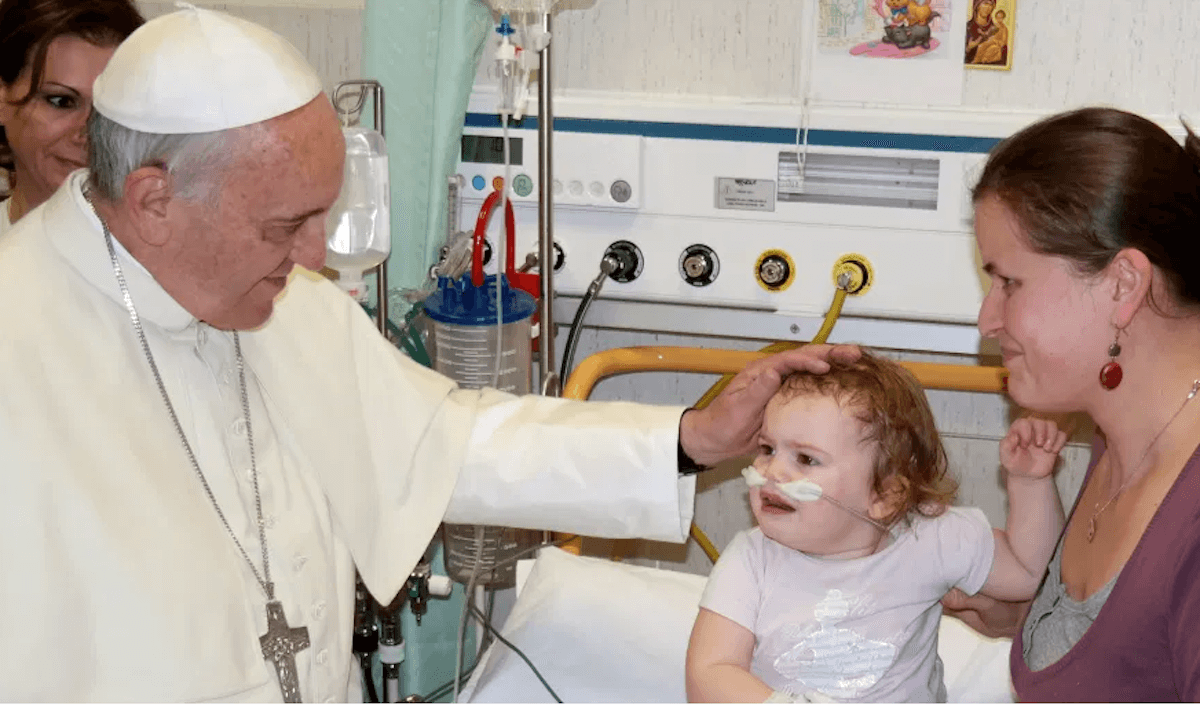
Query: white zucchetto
{"x": 197, "y": 70}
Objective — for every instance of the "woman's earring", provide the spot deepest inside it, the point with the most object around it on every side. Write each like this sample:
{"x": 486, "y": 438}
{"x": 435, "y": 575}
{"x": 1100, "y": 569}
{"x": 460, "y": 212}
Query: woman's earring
{"x": 1111, "y": 373}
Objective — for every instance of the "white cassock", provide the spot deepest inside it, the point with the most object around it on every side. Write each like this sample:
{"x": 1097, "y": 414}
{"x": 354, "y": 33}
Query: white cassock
{"x": 117, "y": 580}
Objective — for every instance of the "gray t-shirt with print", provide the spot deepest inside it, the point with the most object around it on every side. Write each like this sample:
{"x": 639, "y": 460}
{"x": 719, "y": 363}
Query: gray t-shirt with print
{"x": 863, "y": 629}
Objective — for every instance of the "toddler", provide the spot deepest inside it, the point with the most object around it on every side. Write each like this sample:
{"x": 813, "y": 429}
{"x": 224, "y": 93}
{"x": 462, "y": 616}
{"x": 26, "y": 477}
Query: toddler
{"x": 835, "y": 595}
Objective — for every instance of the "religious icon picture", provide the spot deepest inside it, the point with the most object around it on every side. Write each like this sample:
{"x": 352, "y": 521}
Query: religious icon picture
{"x": 990, "y": 34}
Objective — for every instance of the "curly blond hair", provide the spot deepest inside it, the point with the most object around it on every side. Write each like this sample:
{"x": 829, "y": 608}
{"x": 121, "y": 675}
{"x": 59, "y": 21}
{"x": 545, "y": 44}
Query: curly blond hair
{"x": 910, "y": 465}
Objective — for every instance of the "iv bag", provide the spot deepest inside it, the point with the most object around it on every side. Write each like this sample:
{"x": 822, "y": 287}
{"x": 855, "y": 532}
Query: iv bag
{"x": 358, "y": 227}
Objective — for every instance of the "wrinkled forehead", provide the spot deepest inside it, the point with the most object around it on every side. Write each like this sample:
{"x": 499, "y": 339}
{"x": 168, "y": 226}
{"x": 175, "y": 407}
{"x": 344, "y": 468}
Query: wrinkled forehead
{"x": 305, "y": 143}
{"x": 286, "y": 167}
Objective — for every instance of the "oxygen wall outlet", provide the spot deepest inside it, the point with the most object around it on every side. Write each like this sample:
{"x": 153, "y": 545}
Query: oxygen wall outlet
{"x": 775, "y": 270}
{"x": 629, "y": 260}
{"x": 699, "y": 266}
{"x": 854, "y": 273}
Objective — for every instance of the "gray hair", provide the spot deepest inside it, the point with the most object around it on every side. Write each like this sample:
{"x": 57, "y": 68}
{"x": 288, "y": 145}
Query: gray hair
{"x": 196, "y": 162}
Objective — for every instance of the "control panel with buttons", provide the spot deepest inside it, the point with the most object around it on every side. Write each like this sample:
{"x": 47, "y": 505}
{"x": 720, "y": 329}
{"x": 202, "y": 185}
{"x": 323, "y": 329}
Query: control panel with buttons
{"x": 590, "y": 170}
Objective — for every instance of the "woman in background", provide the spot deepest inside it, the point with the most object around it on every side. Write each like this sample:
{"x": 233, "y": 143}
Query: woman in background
{"x": 50, "y": 54}
{"x": 1087, "y": 225}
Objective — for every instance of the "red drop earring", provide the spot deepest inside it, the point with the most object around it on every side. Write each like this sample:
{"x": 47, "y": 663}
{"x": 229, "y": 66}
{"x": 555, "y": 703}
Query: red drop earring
{"x": 1111, "y": 373}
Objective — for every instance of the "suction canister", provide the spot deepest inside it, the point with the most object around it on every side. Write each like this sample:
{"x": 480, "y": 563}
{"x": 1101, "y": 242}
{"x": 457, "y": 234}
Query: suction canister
{"x": 479, "y": 344}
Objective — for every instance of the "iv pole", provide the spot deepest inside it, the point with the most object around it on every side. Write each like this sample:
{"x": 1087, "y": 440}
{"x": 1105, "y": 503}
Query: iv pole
{"x": 547, "y": 371}
{"x": 548, "y": 377}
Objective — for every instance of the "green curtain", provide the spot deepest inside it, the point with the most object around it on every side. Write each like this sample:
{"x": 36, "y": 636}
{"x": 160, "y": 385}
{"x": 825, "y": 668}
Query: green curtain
{"x": 424, "y": 53}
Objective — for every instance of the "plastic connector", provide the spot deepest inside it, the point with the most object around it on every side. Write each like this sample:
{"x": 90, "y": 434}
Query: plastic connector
{"x": 440, "y": 585}
{"x": 506, "y": 52}
{"x": 505, "y": 29}
{"x": 536, "y": 39}
{"x": 353, "y": 284}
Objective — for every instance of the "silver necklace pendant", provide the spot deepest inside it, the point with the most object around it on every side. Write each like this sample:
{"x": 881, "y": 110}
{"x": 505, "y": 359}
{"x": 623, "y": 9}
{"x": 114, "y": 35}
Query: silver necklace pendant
{"x": 280, "y": 645}
{"x": 1091, "y": 532}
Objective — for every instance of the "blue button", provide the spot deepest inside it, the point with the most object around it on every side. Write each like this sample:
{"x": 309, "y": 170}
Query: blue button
{"x": 478, "y": 182}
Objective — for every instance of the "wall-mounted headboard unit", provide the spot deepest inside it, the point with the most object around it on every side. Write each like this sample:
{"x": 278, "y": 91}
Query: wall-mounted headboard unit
{"x": 738, "y": 224}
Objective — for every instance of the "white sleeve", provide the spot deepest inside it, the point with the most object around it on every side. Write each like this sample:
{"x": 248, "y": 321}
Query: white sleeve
{"x": 966, "y": 547}
{"x": 607, "y": 469}
{"x": 734, "y": 587}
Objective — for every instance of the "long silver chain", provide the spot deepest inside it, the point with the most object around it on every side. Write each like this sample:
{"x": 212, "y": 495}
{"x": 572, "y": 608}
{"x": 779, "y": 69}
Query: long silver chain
{"x": 264, "y": 580}
{"x": 1091, "y": 533}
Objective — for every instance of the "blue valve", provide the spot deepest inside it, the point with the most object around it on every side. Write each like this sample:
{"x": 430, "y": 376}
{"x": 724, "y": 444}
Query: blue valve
{"x": 505, "y": 29}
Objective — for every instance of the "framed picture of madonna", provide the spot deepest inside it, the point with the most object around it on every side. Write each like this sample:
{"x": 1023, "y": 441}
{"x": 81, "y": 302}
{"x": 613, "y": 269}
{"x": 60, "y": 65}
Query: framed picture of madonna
{"x": 990, "y": 34}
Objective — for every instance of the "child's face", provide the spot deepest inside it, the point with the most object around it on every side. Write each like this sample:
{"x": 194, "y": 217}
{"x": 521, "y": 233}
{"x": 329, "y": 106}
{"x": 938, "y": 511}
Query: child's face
{"x": 812, "y": 437}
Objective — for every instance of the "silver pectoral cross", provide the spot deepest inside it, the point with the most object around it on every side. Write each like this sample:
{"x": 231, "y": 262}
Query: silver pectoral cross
{"x": 279, "y": 646}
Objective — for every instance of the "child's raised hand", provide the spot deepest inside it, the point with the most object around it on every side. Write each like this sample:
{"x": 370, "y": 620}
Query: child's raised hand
{"x": 1031, "y": 447}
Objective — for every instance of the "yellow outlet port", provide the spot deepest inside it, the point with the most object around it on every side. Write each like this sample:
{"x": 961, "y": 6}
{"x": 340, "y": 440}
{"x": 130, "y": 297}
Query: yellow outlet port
{"x": 854, "y": 273}
{"x": 775, "y": 270}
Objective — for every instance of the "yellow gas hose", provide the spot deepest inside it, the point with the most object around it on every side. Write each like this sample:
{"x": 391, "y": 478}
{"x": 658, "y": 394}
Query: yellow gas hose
{"x": 835, "y": 310}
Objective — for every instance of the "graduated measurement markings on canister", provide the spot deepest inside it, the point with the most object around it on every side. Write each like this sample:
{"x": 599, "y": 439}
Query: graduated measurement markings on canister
{"x": 467, "y": 354}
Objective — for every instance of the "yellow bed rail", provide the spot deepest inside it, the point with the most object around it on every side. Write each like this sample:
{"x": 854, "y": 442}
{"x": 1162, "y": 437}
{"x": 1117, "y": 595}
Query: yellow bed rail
{"x": 931, "y": 375}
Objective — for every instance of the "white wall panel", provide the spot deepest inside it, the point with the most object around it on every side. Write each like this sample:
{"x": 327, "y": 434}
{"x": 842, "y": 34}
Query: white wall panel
{"x": 327, "y": 32}
{"x": 1140, "y": 55}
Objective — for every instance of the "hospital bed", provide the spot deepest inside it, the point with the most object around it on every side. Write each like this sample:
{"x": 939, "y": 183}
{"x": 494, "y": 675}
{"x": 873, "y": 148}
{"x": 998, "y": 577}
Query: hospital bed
{"x": 605, "y": 631}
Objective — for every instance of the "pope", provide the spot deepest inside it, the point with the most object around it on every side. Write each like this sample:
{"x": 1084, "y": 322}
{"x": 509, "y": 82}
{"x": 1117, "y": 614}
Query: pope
{"x": 202, "y": 440}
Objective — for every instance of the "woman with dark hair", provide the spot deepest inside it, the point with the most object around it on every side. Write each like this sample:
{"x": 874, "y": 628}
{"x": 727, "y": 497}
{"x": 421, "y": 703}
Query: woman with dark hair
{"x": 50, "y": 54}
{"x": 1088, "y": 224}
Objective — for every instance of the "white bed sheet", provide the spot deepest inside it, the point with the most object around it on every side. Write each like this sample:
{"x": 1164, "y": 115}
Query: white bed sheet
{"x": 602, "y": 631}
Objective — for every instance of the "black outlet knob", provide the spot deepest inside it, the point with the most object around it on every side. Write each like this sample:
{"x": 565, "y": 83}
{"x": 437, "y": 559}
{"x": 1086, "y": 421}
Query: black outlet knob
{"x": 628, "y": 258}
{"x": 698, "y": 265}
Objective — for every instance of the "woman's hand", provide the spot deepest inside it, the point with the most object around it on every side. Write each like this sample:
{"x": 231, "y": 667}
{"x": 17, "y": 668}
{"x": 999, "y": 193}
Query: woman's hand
{"x": 989, "y": 617}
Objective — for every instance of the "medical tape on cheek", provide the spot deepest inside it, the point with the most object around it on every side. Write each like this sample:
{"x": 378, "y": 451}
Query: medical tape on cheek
{"x": 802, "y": 490}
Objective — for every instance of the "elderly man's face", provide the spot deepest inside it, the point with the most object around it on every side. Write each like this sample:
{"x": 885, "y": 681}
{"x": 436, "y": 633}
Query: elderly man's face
{"x": 266, "y": 217}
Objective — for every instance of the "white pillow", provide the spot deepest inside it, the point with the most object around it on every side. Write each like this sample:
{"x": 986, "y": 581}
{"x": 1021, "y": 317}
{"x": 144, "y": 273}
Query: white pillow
{"x": 601, "y": 631}
{"x": 975, "y": 667}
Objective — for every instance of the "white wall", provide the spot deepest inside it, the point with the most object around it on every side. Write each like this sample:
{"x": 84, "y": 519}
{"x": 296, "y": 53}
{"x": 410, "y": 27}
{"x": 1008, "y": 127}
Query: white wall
{"x": 1132, "y": 53}
{"x": 1135, "y": 54}
{"x": 328, "y": 32}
